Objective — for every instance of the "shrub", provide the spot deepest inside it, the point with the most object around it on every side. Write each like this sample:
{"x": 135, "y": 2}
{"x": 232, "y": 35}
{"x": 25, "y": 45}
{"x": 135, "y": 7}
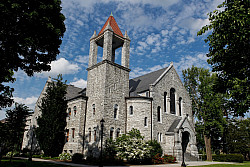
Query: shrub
{"x": 169, "y": 158}
{"x": 157, "y": 159}
{"x": 36, "y": 156}
{"x": 77, "y": 157}
{"x": 156, "y": 148}
{"x": 65, "y": 156}
{"x": 14, "y": 154}
{"x": 228, "y": 158}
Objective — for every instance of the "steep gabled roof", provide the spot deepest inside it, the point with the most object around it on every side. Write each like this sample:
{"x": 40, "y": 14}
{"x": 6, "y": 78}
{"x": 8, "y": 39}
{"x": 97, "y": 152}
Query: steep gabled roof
{"x": 111, "y": 21}
{"x": 73, "y": 92}
{"x": 141, "y": 83}
{"x": 174, "y": 125}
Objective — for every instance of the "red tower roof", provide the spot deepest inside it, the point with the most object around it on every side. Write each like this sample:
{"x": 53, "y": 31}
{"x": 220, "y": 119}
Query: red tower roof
{"x": 113, "y": 24}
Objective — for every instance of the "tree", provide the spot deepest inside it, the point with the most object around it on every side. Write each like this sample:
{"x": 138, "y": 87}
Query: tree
{"x": 15, "y": 125}
{"x": 238, "y": 137}
{"x": 229, "y": 50}
{"x": 52, "y": 122}
{"x": 207, "y": 105}
{"x": 30, "y": 36}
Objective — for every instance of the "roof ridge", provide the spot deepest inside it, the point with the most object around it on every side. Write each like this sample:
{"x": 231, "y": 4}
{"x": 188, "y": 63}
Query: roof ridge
{"x": 150, "y": 73}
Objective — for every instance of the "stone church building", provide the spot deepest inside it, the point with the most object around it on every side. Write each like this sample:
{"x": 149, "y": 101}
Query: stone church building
{"x": 156, "y": 103}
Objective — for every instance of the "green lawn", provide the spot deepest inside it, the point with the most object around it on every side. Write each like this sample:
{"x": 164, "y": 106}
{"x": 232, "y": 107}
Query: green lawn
{"x": 245, "y": 164}
{"x": 25, "y": 163}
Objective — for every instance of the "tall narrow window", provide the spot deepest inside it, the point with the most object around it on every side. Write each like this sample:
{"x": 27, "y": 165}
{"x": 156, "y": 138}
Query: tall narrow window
{"x": 94, "y": 134}
{"x": 67, "y": 135}
{"x": 160, "y": 137}
{"x": 69, "y": 112}
{"x": 118, "y": 132}
{"x": 159, "y": 114}
{"x": 146, "y": 121}
{"x": 172, "y": 101}
{"x": 89, "y": 135}
{"x": 111, "y": 133}
{"x": 165, "y": 101}
{"x": 180, "y": 101}
{"x": 115, "y": 111}
{"x": 73, "y": 133}
{"x": 74, "y": 110}
{"x": 93, "y": 108}
{"x": 131, "y": 110}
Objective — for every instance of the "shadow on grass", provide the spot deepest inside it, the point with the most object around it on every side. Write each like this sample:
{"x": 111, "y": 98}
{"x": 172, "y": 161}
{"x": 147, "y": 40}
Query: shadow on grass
{"x": 25, "y": 163}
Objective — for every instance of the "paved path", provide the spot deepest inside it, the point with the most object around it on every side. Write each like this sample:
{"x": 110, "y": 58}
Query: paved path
{"x": 191, "y": 163}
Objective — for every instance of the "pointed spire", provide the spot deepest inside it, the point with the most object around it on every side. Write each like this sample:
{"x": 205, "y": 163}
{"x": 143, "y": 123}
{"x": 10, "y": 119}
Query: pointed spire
{"x": 126, "y": 35}
{"x": 112, "y": 23}
{"x": 94, "y": 35}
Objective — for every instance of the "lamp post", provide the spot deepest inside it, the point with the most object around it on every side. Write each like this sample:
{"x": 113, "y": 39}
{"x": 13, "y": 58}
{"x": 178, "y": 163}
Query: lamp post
{"x": 102, "y": 125}
{"x": 183, "y": 147}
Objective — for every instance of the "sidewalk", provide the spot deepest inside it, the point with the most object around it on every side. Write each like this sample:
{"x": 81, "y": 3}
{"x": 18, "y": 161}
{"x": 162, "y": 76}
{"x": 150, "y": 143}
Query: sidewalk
{"x": 190, "y": 163}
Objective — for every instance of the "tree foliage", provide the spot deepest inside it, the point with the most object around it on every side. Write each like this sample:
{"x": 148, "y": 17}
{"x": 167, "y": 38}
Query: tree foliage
{"x": 15, "y": 125}
{"x": 207, "y": 105}
{"x": 30, "y": 36}
{"x": 229, "y": 50}
{"x": 52, "y": 122}
{"x": 238, "y": 137}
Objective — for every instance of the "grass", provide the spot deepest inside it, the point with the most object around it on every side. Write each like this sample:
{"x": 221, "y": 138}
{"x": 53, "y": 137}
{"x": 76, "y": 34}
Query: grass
{"x": 244, "y": 164}
{"x": 25, "y": 163}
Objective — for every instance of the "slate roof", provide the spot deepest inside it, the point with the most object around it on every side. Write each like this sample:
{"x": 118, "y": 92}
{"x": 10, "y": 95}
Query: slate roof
{"x": 114, "y": 26}
{"x": 141, "y": 83}
{"x": 174, "y": 125}
{"x": 73, "y": 92}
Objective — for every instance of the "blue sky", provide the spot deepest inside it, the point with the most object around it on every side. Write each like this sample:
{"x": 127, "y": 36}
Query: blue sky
{"x": 161, "y": 31}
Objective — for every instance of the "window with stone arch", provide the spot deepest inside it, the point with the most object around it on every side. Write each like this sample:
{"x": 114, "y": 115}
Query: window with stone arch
{"x": 180, "y": 104}
{"x": 131, "y": 110}
{"x": 172, "y": 101}
{"x": 93, "y": 109}
{"x": 146, "y": 121}
{"x": 89, "y": 134}
{"x": 118, "y": 131}
{"x": 111, "y": 133}
{"x": 69, "y": 112}
{"x": 74, "y": 110}
{"x": 115, "y": 111}
{"x": 159, "y": 114}
{"x": 165, "y": 102}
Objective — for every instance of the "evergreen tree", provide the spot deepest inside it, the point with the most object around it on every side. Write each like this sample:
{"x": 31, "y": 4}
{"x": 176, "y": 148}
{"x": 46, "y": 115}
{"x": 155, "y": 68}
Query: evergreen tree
{"x": 229, "y": 50}
{"x": 51, "y": 124}
{"x": 15, "y": 125}
{"x": 207, "y": 105}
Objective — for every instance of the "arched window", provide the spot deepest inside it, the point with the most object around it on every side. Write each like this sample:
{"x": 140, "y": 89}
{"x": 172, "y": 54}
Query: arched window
{"x": 74, "y": 110}
{"x": 159, "y": 114}
{"x": 180, "y": 101}
{"x": 131, "y": 110}
{"x": 89, "y": 134}
{"x": 165, "y": 101}
{"x": 93, "y": 109}
{"x": 95, "y": 134}
{"x": 146, "y": 121}
{"x": 73, "y": 133}
{"x": 111, "y": 133}
{"x": 67, "y": 135}
{"x": 172, "y": 101}
{"x": 118, "y": 132}
{"x": 115, "y": 111}
{"x": 160, "y": 137}
{"x": 69, "y": 112}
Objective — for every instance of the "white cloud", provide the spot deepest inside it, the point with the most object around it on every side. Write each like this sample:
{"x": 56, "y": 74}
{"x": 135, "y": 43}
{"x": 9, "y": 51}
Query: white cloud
{"x": 29, "y": 101}
{"x": 82, "y": 59}
{"x": 60, "y": 66}
{"x": 81, "y": 83}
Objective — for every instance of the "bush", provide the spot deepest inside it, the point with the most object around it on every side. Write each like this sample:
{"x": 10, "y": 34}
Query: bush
{"x": 156, "y": 148}
{"x": 14, "y": 154}
{"x": 65, "y": 156}
{"x": 157, "y": 159}
{"x": 37, "y": 156}
{"x": 169, "y": 158}
{"x": 229, "y": 158}
{"x": 77, "y": 157}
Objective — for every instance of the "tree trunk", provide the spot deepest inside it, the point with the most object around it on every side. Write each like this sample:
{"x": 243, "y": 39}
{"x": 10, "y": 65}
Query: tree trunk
{"x": 208, "y": 147}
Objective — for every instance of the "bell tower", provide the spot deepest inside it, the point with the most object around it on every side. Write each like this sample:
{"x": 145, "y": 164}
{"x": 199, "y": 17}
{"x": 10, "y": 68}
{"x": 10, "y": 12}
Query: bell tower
{"x": 107, "y": 84}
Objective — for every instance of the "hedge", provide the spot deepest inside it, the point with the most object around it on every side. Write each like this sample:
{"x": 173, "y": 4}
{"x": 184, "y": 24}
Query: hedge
{"x": 229, "y": 158}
